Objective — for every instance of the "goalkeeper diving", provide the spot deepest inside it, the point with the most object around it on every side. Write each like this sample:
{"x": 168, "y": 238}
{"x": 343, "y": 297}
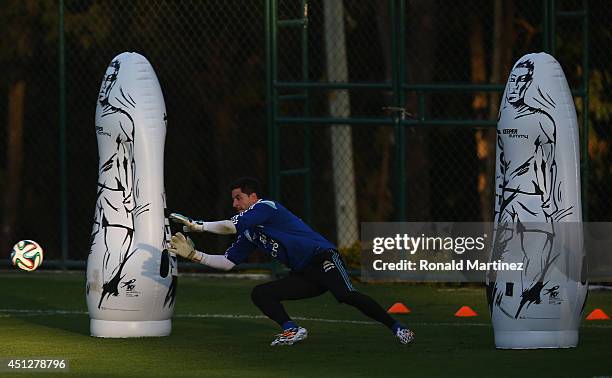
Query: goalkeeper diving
{"x": 315, "y": 264}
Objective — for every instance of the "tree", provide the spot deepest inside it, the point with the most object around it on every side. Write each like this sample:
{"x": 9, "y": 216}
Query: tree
{"x": 18, "y": 26}
{"x": 420, "y": 63}
{"x": 486, "y": 107}
{"x": 341, "y": 135}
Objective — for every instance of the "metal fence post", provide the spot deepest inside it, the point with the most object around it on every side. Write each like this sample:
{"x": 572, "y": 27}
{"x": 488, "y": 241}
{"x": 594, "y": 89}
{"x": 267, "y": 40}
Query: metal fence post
{"x": 585, "y": 112}
{"x": 62, "y": 140}
{"x": 398, "y": 65}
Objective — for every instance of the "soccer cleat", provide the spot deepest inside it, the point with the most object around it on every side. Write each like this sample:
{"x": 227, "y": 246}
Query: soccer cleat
{"x": 290, "y": 336}
{"x": 405, "y": 335}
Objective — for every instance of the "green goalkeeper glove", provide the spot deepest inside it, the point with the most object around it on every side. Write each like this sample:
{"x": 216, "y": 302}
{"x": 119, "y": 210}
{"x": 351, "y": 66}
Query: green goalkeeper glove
{"x": 189, "y": 225}
{"x": 184, "y": 247}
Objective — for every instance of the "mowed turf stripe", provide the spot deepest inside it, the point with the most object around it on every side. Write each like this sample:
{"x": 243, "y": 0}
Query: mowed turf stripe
{"x": 6, "y": 312}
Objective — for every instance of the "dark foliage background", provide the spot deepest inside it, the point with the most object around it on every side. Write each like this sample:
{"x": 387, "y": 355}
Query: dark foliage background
{"x": 210, "y": 60}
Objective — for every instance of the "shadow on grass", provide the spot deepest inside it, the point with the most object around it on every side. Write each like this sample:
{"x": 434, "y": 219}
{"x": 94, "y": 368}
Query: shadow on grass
{"x": 52, "y": 300}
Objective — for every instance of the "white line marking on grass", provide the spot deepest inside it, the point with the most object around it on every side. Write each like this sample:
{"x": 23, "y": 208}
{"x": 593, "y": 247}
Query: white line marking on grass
{"x": 232, "y": 316}
{"x": 6, "y": 312}
{"x": 33, "y": 312}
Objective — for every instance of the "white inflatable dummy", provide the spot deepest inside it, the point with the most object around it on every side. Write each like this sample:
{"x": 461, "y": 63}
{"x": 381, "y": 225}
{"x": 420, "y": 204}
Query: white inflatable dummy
{"x": 537, "y": 211}
{"x": 131, "y": 284}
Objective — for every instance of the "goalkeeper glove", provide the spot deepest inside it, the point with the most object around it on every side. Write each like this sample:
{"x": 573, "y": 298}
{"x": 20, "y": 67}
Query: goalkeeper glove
{"x": 189, "y": 225}
{"x": 184, "y": 247}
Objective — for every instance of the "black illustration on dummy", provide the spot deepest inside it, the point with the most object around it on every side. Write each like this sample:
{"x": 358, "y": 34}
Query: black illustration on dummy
{"x": 115, "y": 205}
{"x": 169, "y": 264}
{"x": 528, "y": 202}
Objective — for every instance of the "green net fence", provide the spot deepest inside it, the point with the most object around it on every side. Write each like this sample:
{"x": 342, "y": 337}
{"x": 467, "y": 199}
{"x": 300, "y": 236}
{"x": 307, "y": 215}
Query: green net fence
{"x": 212, "y": 62}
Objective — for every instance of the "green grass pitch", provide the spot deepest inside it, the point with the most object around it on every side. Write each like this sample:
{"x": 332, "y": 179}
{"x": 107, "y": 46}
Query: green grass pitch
{"x": 43, "y": 314}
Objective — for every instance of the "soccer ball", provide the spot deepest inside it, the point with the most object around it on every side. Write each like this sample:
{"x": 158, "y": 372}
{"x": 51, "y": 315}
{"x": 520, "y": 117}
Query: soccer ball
{"x": 27, "y": 255}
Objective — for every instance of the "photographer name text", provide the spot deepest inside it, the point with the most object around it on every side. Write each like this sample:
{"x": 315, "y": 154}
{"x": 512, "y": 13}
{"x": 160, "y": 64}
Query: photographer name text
{"x": 454, "y": 265}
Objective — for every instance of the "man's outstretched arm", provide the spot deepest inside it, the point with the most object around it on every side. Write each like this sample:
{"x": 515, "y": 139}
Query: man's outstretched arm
{"x": 184, "y": 247}
{"x": 224, "y": 227}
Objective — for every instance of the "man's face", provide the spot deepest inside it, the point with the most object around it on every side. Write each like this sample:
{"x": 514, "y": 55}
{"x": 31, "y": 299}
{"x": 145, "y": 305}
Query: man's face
{"x": 242, "y": 201}
{"x": 110, "y": 77}
{"x": 519, "y": 81}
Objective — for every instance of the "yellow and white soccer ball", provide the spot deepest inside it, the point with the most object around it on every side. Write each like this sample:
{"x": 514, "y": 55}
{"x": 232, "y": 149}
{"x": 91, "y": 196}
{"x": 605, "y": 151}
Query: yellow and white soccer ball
{"x": 27, "y": 255}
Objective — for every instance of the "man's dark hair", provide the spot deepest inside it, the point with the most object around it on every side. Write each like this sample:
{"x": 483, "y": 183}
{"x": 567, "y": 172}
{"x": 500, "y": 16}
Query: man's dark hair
{"x": 247, "y": 185}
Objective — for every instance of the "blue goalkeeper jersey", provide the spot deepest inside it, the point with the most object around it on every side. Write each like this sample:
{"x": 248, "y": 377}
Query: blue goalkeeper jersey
{"x": 271, "y": 227}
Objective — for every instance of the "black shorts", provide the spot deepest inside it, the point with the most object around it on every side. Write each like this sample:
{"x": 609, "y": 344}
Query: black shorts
{"x": 325, "y": 271}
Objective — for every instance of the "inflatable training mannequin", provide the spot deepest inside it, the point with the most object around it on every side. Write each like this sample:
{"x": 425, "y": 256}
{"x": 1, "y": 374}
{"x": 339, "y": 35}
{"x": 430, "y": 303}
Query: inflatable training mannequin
{"x": 537, "y": 211}
{"x": 131, "y": 286}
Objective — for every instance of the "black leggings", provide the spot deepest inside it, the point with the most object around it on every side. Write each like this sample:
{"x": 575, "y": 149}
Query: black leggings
{"x": 325, "y": 272}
